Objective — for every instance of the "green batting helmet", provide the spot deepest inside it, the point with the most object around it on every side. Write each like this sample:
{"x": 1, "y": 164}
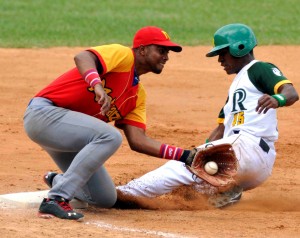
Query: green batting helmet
{"x": 238, "y": 37}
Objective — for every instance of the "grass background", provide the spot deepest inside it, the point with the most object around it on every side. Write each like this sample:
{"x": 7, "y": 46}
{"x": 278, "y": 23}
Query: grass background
{"x": 47, "y": 23}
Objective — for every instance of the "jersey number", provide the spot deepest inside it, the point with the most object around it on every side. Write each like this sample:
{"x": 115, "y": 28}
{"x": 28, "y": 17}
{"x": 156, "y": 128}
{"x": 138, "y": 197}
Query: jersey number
{"x": 238, "y": 119}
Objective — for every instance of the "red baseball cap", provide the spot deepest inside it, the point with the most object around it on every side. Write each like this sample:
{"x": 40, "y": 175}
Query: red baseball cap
{"x": 152, "y": 35}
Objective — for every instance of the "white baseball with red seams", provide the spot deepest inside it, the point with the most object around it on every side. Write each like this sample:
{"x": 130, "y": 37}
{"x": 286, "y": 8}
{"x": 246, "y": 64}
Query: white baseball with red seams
{"x": 211, "y": 167}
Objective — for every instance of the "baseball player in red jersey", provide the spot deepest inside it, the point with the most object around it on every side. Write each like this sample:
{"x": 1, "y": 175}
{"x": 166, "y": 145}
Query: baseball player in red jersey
{"x": 68, "y": 119}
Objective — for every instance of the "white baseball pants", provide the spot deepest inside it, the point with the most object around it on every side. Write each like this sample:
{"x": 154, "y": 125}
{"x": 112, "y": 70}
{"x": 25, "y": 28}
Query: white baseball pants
{"x": 255, "y": 166}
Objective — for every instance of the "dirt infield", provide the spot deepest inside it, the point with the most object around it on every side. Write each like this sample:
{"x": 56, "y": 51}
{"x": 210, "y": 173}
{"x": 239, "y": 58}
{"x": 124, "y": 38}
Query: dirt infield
{"x": 183, "y": 103}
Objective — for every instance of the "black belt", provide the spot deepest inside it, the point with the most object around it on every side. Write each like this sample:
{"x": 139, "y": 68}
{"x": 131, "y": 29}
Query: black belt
{"x": 263, "y": 145}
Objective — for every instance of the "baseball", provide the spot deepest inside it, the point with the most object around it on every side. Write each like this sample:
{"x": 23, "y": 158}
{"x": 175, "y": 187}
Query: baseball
{"x": 211, "y": 167}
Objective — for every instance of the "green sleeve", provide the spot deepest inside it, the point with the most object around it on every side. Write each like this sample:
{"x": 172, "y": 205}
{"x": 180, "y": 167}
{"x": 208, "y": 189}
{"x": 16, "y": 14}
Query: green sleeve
{"x": 265, "y": 77}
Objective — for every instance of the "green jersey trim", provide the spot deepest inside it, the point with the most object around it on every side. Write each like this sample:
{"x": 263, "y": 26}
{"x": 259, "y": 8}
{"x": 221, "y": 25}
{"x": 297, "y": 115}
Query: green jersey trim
{"x": 266, "y": 77}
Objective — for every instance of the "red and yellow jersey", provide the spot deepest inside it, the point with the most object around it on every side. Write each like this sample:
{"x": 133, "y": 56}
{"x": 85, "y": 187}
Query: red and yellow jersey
{"x": 119, "y": 80}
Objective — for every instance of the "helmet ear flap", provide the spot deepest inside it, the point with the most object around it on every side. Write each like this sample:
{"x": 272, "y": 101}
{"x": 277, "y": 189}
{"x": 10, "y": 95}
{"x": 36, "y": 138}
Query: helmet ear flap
{"x": 240, "y": 48}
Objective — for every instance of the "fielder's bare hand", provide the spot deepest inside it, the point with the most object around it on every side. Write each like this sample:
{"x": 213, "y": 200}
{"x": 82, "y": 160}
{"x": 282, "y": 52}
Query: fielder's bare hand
{"x": 102, "y": 98}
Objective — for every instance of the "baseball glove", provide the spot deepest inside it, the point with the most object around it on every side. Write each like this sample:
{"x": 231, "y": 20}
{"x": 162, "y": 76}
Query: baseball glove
{"x": 225, "y": 158}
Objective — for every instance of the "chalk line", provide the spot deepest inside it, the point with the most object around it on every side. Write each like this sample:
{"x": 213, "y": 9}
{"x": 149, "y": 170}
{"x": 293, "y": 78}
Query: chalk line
{"x": 101, "y": 224}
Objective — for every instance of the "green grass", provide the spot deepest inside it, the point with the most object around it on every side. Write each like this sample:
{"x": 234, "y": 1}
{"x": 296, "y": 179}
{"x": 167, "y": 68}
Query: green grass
{"x": 47, "y": 23}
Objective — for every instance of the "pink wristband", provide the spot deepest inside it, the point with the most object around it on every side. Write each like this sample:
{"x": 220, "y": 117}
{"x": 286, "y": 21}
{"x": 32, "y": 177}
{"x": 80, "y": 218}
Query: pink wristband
{"x": 92, "y": 77}
{"x": 170, "y": 152}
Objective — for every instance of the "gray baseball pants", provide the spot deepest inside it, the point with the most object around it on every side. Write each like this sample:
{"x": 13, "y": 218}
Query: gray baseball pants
{"x": 79, "y": 144}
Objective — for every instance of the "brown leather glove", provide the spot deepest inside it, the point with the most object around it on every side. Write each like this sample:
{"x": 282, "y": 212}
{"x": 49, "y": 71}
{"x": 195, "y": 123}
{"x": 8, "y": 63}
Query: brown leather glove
{"x": 225, "y": 158}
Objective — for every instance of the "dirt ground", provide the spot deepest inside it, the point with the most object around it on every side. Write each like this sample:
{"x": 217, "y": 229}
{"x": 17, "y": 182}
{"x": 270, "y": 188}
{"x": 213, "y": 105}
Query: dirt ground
{"x": 183, "y": 103}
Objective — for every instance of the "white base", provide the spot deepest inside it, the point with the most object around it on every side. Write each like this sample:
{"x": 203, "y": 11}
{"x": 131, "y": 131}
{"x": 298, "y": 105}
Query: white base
{"x": 34, "y": 199}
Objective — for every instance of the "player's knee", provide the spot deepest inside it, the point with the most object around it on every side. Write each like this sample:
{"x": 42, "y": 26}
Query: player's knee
{"x": 117, "y": 138}
{"x": 172, "y": 164}
{"x": 171, "y": 168}
{"x": 112, "y": 137}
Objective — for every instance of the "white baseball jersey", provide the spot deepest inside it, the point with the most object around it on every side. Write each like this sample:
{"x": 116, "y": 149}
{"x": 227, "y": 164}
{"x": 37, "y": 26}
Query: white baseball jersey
{"x": 238, "y": 114}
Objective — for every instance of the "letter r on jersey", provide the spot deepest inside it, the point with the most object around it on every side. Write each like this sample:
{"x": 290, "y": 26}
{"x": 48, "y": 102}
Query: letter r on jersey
{"x": 239, "y": 97}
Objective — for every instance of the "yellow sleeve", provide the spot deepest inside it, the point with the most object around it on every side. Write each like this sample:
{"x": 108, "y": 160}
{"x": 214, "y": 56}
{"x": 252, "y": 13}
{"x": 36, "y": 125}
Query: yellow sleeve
{"x": 114, "y": 57}
{"x": 137, "y": 117}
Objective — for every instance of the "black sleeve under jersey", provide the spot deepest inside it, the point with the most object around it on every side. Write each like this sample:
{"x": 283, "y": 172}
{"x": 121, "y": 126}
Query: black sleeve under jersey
{"x": 221, "y": 113}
